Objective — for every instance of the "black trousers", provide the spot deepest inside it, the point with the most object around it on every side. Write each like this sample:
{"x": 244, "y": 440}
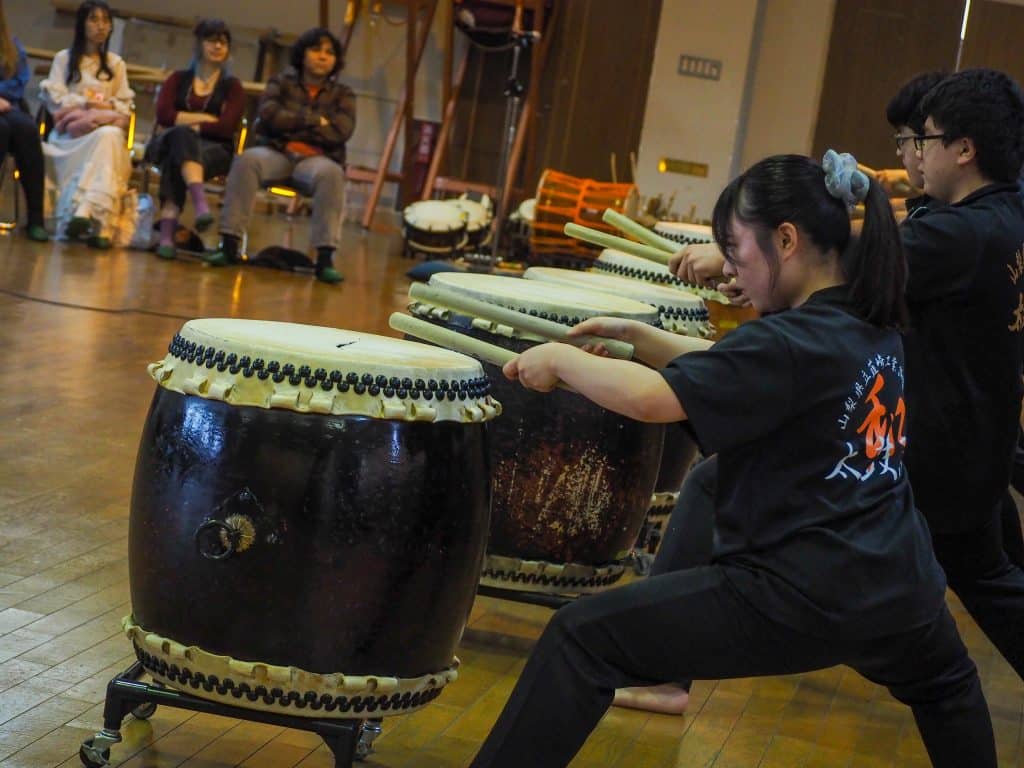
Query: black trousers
{"x": 1013, "y": 536}
{"x": 977, "y": 565}
{"x": 697, "y": 623}
{"x": 20, "y": 136}
{"x": 179, "y": 145}
{"x": 987, "y": 583}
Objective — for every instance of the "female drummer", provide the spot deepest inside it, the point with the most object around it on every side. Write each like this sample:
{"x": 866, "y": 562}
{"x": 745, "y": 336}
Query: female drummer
{"x": 821, "y": 557}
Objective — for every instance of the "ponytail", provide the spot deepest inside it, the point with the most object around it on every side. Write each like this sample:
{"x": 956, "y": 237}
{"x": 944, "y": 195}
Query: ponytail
{"x": 875, "y": 265}
{"x": 818, "y": 201}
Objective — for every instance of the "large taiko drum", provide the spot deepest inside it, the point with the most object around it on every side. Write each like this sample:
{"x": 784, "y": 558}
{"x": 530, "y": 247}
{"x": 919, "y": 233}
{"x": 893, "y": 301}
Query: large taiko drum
{"x": 724, "y": 316}
{"x": 572, "y": 481}
{"x": 684, "y": 233}
{"x": 309, "y": 518}
{"x": 562, "y": 198}
{"x": 681, "y": 312}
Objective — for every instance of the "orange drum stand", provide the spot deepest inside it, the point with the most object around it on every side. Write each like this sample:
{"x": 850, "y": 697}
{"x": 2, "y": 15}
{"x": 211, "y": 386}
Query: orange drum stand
{"x": 562, "y": 198}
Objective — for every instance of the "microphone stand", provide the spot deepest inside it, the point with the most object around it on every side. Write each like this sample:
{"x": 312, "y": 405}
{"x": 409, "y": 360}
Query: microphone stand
{"x": 514, "y": 90}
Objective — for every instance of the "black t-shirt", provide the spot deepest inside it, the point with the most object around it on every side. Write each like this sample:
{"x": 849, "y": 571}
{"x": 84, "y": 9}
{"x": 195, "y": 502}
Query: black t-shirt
{"x": 805, "y": 410}
{"x": 966, "y": 297}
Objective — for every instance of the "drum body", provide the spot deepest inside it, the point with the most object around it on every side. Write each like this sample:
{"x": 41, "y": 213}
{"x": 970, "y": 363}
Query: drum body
{"x": 562, "y": 198}
{"x": 683, "y": 313}
{"x": 433, "y": 228}
{"x": 572, "y": 481}
{"x": 312, "y": 563}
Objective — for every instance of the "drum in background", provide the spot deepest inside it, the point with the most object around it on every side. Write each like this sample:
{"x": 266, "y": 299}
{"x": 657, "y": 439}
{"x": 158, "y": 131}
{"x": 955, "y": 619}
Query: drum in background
{"x": 433, "y": 228}
{"x": 680, "y": 311}
{"x": 520, "y": 227}
{"x": 572, "y": 481}
{"x": 562, "y": 198}
{"x": 684, "y": 233}
{"x": 478, "y": 217}
{"x": 723, "y": 316}
{"x": 308, "y": 519}
{"x": 623, "y": 264}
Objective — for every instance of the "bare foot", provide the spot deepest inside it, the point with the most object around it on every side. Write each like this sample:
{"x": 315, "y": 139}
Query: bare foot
{"x": 667, "y": 699}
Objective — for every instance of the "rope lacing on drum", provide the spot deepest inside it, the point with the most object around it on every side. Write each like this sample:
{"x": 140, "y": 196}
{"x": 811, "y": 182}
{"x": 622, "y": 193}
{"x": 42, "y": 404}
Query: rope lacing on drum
{"x": 182, "y": 676}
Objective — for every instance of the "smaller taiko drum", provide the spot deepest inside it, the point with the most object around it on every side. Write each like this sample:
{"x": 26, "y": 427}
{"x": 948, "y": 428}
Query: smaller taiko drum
{"x": 478, "y": 216}
{"x": 309, "y": 518}
{"x": 572, "y": 480}
{"x": 433, "y": 228}
{"x": 723, "y": 316}
{"x": 684, "y": 233}
{"x": 621, "y": 264}
{"x": 680, "y": 311}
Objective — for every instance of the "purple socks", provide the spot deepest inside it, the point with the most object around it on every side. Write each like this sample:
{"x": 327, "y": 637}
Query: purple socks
{"x": 167, "y": 228}
{"x": 199, "y": 199}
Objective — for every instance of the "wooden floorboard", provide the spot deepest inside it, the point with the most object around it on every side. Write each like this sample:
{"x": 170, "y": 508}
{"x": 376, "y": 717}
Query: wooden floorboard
{"x": 77, "y": 329}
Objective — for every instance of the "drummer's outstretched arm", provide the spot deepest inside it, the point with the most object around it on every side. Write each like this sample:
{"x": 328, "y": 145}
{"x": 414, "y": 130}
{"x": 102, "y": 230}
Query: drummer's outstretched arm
{"x": 621, "y": 386}
{"x": 654, "y": 346}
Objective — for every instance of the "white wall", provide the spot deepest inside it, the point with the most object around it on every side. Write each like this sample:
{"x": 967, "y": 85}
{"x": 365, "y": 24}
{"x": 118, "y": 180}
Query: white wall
{"x": 788, "y": 78}
{"x": 773, "y": 54}
{"x": 689, "y": 118}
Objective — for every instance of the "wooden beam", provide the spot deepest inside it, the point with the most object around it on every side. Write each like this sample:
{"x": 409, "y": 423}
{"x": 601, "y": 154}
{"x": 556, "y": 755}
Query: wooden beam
{"x": 396, "y": 123}
{"x": 446, "y": 126}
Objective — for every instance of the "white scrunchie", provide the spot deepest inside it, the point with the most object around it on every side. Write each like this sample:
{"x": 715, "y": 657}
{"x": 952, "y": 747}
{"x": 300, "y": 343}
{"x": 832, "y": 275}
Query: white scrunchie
{"x": 843, "y": 179}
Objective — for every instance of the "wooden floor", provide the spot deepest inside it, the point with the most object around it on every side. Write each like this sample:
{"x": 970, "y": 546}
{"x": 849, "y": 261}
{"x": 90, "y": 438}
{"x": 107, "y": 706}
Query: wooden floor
{"x": 77, "y": 329}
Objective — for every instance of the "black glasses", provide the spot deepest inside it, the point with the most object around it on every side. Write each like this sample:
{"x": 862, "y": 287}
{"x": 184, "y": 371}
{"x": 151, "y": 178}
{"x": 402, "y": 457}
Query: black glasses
{"x": 920, "y": 140}
{"x": 900, "y": 139}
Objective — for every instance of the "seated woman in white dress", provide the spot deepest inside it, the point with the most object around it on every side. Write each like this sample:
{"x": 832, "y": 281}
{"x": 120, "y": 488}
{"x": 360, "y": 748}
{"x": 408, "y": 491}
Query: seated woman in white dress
{"x": 88, "y": 95}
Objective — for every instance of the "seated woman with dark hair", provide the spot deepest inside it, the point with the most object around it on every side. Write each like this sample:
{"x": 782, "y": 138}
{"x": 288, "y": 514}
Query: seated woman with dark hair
{"x": 305, "y": 117}
{"x": 18, "y": 133}
{"x": 197, "y": 115}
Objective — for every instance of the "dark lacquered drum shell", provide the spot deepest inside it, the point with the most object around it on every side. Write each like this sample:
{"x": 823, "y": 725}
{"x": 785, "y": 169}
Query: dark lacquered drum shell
{"x": 571, "y": 481}
{"x": 368, "y": 538}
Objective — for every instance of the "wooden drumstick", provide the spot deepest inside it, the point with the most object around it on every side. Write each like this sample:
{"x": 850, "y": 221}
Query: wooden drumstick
{"x": 538, "y": 326}
{"x": 467, "y": 345}
{"x": 640, "y": 232}
{"x": 618, "y": 243}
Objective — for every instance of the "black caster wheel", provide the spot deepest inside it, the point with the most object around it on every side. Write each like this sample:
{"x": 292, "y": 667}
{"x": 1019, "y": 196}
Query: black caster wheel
{"x": 144, "y": 711}
{"x": 92, "y": 757}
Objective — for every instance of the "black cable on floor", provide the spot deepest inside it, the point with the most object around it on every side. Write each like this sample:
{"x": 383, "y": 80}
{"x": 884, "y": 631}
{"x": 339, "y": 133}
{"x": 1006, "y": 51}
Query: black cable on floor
{"x": 69, "y": 305}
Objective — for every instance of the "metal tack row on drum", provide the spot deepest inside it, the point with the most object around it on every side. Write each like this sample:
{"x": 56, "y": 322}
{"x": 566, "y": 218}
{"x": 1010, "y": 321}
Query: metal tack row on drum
{"x": 308, "y": 519}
